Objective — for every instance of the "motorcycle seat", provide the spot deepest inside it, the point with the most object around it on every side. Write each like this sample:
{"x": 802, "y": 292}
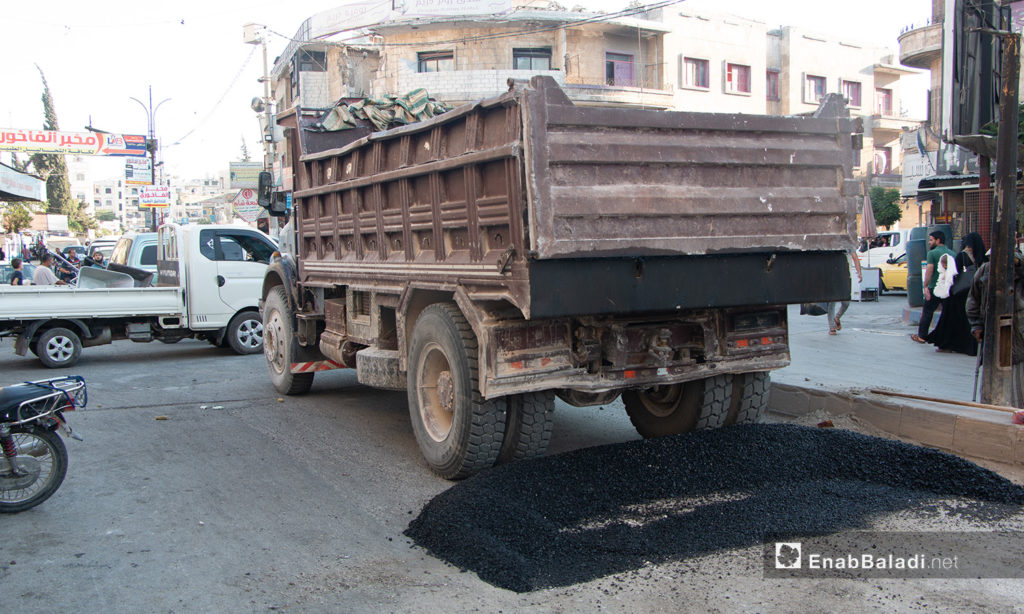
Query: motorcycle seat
{"x": 13, "y": 396}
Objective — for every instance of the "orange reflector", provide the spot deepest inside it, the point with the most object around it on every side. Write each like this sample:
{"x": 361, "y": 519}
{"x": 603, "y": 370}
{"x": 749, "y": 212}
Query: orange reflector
{"x": 766, "y": 340}
{"x": 741, "y": 343}
{"x": 629, "y": 374}
{"x": 517, "y": 364}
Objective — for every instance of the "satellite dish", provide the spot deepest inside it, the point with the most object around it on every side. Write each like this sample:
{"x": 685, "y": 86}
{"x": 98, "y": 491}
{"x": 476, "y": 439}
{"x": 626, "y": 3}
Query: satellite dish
{"x": 257, "y": 104}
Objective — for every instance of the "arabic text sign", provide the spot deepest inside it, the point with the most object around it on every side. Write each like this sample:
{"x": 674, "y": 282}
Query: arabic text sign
{"x": 83, "y": 143}
{"x": 21, "y": 185}
{"x": 246, "y": 206}
{"x": 456, "y": 7}
{"x": 137, "y": 171}
{"x": 153, "y": 196}
{"x": 245, "y": 174}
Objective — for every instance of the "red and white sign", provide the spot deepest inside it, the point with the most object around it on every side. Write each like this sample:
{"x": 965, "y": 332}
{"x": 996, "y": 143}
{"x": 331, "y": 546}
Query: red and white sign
{"x": 83, "y": 143}
{"x": 154, "y": 196}
{"x": 246, "y": 206}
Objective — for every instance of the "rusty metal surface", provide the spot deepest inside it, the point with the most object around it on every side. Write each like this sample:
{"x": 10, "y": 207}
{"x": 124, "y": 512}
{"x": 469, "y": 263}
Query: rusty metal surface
{"x": 471, "y": 199}
{"x": 606, "y": 181}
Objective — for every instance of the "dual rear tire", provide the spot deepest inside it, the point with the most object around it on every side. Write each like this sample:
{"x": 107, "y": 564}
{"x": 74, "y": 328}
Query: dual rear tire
{"x": 707, "y": 403}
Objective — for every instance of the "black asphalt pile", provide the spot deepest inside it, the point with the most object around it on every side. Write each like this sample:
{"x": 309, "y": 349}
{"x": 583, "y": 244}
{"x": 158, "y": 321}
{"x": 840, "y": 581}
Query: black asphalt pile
{"x": 565, "y": 519}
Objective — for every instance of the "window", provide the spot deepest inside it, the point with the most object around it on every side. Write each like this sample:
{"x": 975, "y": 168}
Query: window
{"x": 737, "y": 79}
{"x": 851, "y": 91}
{"x": 618, "y": 69}
{"x": 234, "y": 246}
{"x": 107, "y": 190}
{"x": 435, "y": 61}
{"x": 772, "y": 85}
{"x": 883, "y": 101}
{"x": 148, "y": 255}
{"x": 80, "y": 177}
{"x": 695, "y": 74}
{"x": 312, "y": 61}
{"x": 882, "y": 161}
{"x": 814, "y": 89}
{"x": 531, "y": 59}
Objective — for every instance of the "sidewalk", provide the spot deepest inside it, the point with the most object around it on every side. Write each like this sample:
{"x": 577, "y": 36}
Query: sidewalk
{"x": 874, "y": 351}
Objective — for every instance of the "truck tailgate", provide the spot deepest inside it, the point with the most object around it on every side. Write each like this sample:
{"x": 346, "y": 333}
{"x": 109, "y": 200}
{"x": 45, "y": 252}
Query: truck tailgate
{"x": 625, "y": 182}
{"x": 35, "y": 302}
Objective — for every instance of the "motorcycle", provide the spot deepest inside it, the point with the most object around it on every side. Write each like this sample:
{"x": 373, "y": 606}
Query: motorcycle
{"x": 34, "y": 459}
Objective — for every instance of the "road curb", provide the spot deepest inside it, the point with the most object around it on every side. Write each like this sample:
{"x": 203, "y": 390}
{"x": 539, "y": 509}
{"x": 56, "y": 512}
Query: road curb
{"x": 966, "y": 431}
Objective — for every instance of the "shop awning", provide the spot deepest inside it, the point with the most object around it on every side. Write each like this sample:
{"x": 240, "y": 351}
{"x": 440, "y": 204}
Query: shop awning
{"x": 16, "y": 186}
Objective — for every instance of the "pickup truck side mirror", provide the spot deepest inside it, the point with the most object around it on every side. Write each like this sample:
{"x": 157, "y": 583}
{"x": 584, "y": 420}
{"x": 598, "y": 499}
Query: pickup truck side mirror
{"x": 267, "y": 198}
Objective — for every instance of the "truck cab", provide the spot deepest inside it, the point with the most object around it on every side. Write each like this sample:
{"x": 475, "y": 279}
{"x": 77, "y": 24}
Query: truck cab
{"x": 223, "y": 268}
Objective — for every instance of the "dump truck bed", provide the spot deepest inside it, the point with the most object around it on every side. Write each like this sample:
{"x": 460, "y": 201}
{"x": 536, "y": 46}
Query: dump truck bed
{"x": 559, "y": 209}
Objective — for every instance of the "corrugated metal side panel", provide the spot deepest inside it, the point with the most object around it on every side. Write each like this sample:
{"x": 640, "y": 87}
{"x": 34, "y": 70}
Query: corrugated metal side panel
{"x": 626, "y": 182}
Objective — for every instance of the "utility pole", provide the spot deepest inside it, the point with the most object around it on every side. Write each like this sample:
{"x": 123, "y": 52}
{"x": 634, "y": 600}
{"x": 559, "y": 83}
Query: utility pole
{"x": 151, "y": 144}
{"x": 255, "y": 34}
{"x": 997, "y": 353}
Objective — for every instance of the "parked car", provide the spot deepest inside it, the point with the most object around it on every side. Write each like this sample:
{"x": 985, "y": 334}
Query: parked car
{"x": 894, "y": 273}
{"x": 6, "y": 270}
{"x": 79, "y": 250}
{"x": 104, "y": 246}
{"x": 137, "y": 250}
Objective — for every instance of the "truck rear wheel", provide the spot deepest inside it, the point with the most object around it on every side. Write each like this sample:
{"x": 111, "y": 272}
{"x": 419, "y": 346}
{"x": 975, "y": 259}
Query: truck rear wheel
{"x": 529, "y": 419}
{"x": 458, "y": 432}
{"x": 749, "y": 397}
{"x": 59, "y": 348}
{"x": 277, "y": 345}
{"x": 679, "y": 408}
{"x": 245, "y": 333}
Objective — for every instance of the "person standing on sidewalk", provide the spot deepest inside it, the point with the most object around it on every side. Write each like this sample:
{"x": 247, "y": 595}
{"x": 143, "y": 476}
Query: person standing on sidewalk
{"x": 977, "y": 309}
{"x": 834, "y": 325}
{"x": 936, "y": 249}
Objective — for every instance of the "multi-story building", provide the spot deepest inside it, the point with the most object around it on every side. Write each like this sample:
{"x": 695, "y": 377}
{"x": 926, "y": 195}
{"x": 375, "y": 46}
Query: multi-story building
{"x": 673, "y": 58}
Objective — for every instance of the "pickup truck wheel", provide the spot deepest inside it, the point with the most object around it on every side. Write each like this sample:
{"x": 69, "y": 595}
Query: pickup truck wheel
{"x": 277, "y": 345}
{"x": 679, "y": 408}
{"x": 458, "y": 432}
{"x": 245, "y": 333}
{"x": 59, "y": 348}
{"x": 529, "y": 419}
{"x": 749, "y": 397}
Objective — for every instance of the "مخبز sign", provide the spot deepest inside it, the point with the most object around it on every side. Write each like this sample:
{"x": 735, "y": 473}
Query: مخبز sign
{"x": 245, "y": 205}
{"x": 154, "y": 196}
{"x": 82, "y": 143}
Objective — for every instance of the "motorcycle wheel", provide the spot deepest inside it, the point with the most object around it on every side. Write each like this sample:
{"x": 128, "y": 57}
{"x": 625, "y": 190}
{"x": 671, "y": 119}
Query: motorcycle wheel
{"x": 43, "y": 456}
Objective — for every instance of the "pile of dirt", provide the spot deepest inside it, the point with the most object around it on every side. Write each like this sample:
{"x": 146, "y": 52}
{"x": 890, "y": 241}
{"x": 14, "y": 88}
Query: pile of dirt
{"x": 570, "y": 518}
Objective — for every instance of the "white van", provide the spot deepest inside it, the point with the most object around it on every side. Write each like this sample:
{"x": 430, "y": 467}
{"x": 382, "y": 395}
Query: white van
{"x": 886, "y": 245}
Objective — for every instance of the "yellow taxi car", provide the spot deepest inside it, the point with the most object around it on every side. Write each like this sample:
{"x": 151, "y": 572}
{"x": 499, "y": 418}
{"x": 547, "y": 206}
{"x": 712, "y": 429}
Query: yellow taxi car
{"x": 894, "y": 274}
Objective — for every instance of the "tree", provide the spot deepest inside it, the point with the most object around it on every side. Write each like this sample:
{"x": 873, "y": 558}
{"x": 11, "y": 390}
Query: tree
{"x": 245, "y": 151}
{"x": 16, "y": 217}
{"x": 53, "y": 167}
{"x": 105, "y": 216}
{"x": 885, "y": 202}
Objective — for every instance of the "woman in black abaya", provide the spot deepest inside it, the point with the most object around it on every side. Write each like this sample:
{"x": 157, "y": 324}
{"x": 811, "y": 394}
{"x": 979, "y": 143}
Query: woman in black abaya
{"x": 953, "y": 332}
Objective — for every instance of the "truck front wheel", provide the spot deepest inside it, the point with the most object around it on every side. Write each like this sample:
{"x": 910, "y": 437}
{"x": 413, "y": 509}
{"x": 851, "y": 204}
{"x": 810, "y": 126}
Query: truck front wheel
{"x": 59, "y": 348}
{"x": 277, "y": 345}
{"x": 245, "y": 333}
{"x": 458, "y": 432}
{"x": 679, "y": 408}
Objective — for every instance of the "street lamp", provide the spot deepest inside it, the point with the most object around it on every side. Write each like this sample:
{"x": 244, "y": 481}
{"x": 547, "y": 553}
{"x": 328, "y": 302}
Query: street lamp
{"x": 151, "y": 143}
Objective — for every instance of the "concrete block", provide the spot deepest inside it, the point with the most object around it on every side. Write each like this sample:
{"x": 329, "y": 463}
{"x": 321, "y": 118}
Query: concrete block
{"x": 984, "y": 439}
{"x": 930, "y": 428}
{"x": 879, "y": 414}
{"x": 788, "y": 400}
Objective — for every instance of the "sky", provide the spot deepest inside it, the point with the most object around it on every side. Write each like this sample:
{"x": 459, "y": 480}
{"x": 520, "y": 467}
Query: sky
{"x": 98, "y": 55}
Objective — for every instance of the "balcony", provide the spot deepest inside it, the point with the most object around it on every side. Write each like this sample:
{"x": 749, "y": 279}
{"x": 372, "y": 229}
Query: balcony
{"x": 461, "y": 86}
{"x": 921, "y": 47}
{"x": 885, "y": 128}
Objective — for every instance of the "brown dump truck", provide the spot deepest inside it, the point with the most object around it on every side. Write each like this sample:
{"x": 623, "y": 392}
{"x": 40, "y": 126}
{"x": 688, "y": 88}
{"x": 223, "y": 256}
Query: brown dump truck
{"x": 521, "y": 248}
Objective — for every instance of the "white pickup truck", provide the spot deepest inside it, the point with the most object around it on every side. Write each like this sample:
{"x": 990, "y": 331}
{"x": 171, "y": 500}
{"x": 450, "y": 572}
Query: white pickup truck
{"x": 210, "y": 283}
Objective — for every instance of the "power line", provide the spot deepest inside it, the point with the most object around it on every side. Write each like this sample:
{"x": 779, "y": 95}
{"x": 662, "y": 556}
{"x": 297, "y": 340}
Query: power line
{"x": 227, "y": 91}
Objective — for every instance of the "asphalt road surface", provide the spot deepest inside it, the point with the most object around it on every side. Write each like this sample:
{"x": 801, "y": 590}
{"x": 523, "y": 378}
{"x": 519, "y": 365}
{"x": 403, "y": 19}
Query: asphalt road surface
{"x": 244, "y": 501}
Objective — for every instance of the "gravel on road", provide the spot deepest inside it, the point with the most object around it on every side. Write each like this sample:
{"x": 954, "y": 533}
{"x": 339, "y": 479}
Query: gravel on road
{"x": 565, "y": 519}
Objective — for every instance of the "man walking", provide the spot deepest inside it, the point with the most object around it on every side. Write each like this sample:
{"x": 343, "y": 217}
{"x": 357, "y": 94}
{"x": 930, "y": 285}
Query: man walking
{"x": 936, "y": 249}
